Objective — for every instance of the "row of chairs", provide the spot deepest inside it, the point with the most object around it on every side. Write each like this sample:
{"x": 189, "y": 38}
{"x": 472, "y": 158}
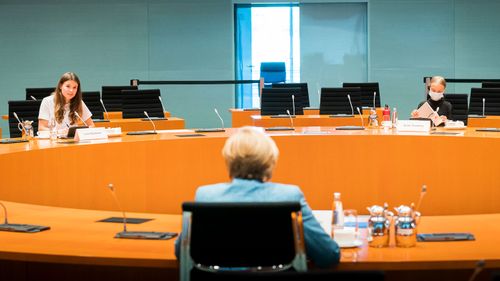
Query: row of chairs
{"x": 127, "y": 99}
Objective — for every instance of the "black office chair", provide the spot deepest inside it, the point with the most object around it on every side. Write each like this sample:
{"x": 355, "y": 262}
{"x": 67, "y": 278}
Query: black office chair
{"x": 93, "y": 101}
{"x": 25, "y": 110}
{"x": 294, "y": 276}
{"x": 367, "y": 89}
{"x": 38, "y": 93}
{"x": 276, "y": 101}
{"x": 112, "y": 96}
{"x": 490, "y": 85}
{"x": 135, "y": 102}
{"x": 492, "y": 101}
{"x": 304, "y": 91}
{"x": 250, "y": 236}
{"x": 335, "y": 101}
{"x": 460, "y": 106}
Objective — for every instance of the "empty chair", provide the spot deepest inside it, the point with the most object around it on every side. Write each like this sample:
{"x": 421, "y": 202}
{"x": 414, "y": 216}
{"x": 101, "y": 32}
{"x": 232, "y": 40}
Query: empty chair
{"x": 273, "y": 72}
{"x": 276, "y": 101}
{"x": 38, "y": 93}
{"x": 335, "y": 101}
{"x": 241, "y": 236}
{"x": 135, "y": 102}
{"x": 112, "y": 96}
{"x": 92, "y": 101}
{"x": 25, "y": 110}
{"x": 491, "y": 97}
{"x": 460, "y": 106}
{"x": 367, "y": 89}
{"x": 304, "y": 91}
{"x": 490, "y": 85}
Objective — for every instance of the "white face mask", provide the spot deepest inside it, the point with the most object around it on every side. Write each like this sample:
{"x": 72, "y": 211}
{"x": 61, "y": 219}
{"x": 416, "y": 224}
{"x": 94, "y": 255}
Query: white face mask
{"x": 435, "y": 96}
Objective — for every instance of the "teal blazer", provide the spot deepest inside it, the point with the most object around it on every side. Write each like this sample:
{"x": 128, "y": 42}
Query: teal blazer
{"x": 320, "y": 248}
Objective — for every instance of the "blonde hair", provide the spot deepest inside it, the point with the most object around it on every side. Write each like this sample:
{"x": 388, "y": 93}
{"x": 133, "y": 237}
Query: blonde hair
{"x": 250, "y": 154}
{"x": 438, "y": 80}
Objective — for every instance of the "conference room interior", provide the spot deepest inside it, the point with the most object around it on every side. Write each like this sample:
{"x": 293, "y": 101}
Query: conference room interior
{"x": 207, "y": 62}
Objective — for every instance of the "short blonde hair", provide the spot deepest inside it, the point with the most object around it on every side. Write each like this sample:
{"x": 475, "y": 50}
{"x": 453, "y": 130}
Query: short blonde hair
{"x": 250, "y": 154}
{"x": 438, "y": 80}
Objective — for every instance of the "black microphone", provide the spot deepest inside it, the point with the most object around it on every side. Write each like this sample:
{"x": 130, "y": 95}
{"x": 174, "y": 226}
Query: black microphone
{"x": 479, "y": 267}
{"x": 484, "y": 105}
{"x": 6, "y": 226}
{"x": 32, "y": 97}
{"x": 291, "y": 119}
{"x": 137, "y": 133}
{"x": 137, "y": 234}
{"x": 349, "y": 128}
{"x": 103, "y": 107}
{"x": 350, "y": 103}
{"x": 19, "y": 121}
{"x": 78, "y": 115}
{"x": 211, "y": 130}
{"x": 360, "y": 117}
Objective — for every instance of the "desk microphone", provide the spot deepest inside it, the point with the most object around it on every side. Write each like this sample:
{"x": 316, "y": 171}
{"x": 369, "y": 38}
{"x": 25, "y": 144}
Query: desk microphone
{"x": 484, "y": 103}
{"x": 137, "y": 234}
{"x": 18, "y": 120}
{"x": 422, "y": 194}
{"x": 360, "y": 117}
{"x": 293, "y": 105}
{"x": 103, "y": 107}
{"x": 350, "y": 103}
{"x": 162, "y": 107}
{"x": 221, "y": 120}
{"x": 374, "y": 95}
{"x": 479, "y": 267}
{"x": 78, "y": 115}
{"x": 6, "y": 226}
{"x": 291, "y": 119}
{"x": 32, "y": 97}
{"x": 147, "y": 116}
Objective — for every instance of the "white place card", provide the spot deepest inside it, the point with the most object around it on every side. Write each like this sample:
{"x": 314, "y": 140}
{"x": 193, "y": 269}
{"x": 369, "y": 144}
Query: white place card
{"x": 413, "y": 126}
{"x": 91, "y": 134}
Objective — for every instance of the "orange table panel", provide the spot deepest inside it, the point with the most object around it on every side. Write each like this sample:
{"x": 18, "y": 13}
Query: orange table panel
{"x": 119, "y": 115}
{"x": 242, "y": 117}
{"x": 308, "y": 120}
{"x": 486, "y": 122}
{"x": 156, "y": 173}
{"x": 137, "y": 124}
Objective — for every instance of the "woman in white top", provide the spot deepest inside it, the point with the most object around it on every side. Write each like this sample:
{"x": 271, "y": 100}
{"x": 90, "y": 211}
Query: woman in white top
{"x": 60, "y": 108}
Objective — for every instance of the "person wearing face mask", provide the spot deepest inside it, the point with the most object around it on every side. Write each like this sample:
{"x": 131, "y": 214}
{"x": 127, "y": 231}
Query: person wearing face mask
{"x": 61, "y": 107}
{"x": 436, "y": 99}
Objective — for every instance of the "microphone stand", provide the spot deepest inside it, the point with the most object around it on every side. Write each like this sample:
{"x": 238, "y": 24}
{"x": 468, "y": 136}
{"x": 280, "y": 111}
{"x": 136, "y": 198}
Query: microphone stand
{"x": 14, "y": 227}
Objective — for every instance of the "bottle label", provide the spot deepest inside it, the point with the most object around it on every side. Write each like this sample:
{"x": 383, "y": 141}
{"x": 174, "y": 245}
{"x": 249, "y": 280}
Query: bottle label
{"x": 405, "y": 231}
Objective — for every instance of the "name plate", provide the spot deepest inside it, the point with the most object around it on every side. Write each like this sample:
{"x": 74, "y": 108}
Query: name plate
{"x": 413, "y": 126}
{"x": 91, "y": 134}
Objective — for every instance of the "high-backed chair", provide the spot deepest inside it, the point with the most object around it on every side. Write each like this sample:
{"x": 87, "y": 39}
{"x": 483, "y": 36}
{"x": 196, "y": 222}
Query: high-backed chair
{"x": 25, "y": 110}
{"x": 492, "y": 101}
{"x": 490, "y": 85}
{"x": 112, "y": 96}
{"x": 460, "y": 106}
{"x": 241, "y": 236}
{"x": 367, "y": 90}
{"x": 38, "y": 93}
{"x": 273, "y": 72}
{"x": 92, "y": 101}
{"x": 135, "y": 102}
{"x": 304, "y": 91}
{"x": 276, "y": 101}
{"x": 335, "y": 101}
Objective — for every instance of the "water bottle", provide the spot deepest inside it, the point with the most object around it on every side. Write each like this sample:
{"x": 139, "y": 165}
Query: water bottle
{"x": 394, "y": 117}
{"x": 337, "y": 213}
{"x": 53, "y": 129}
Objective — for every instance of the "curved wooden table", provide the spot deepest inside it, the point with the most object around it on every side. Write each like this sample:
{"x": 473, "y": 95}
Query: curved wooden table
{"x": 156, "y": 173}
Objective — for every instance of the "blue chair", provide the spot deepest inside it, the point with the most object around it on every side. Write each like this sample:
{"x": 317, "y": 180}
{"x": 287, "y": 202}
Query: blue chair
{"x": 273, "y": 72}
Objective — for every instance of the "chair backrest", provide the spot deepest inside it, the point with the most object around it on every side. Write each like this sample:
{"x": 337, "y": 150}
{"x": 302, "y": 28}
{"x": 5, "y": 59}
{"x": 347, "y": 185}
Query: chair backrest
{"x": 112, "y": 96}
{"x": 38, "y": 93}
{"x": 241, "y": 236}
{"x": 335, "y": 100}
{"x": 273, "y": 72}
{"x": 135, "y": 102}
{"x": 492, "y": 101}
{"x": 275, "y": 101}
{"x": 367, "y": 89}
{"x": 460, "y": 106}
{"x": 304, "y": 91}
{"x": 25, "y": 110}
{"x": 490, "y": 85}
{"x": 92, "y": 101}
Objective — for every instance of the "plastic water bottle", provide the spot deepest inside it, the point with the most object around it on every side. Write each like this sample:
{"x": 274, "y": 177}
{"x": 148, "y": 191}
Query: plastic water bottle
{"x": 53, "y": 129}
{"x": 394, "y": 117}
{"x": 337, "y": 213}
